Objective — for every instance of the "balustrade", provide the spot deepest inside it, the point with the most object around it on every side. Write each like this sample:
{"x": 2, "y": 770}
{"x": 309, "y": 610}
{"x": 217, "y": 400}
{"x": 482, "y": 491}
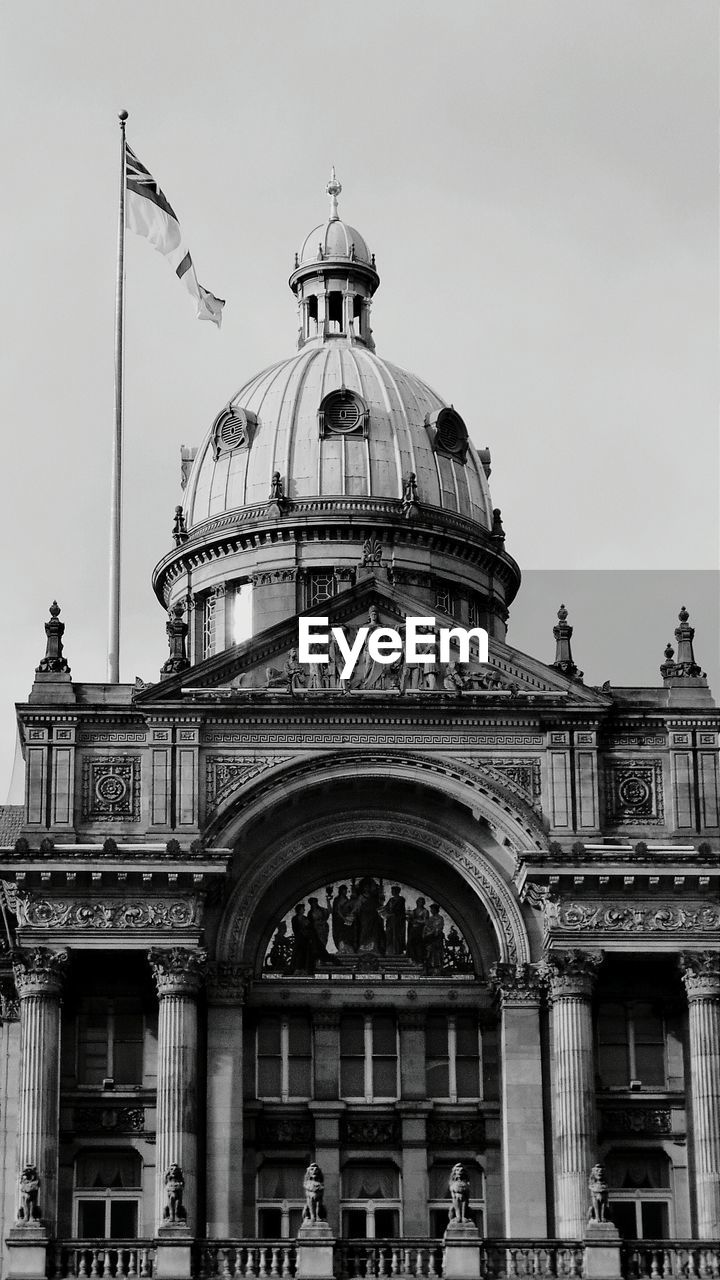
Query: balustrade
{"x": 658, "y": 1259}
{"x": 507, "y": 1259}
{"x": 357, "y": 1259}
{"x": 101, "y": 1260}
{"x": 231, "y": 1259}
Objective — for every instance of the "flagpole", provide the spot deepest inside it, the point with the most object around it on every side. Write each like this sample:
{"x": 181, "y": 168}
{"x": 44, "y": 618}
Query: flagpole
{"x": 113, "y": 657}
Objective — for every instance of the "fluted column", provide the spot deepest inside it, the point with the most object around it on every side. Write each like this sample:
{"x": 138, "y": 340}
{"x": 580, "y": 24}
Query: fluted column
{"x": 178, "y": 973}
{"x": 39, "y": 978}
{"x": 520, "y": 990}
{"x": 701, "y": 974}
{"x": 571, "y": 975}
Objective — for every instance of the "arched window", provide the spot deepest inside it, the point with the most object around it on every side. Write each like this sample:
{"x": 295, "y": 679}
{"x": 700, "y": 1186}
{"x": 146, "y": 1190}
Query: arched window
{"x": 640, "y": 1186}
{"x": 370, "y": 1200}
{"x": 107, "y": 1195}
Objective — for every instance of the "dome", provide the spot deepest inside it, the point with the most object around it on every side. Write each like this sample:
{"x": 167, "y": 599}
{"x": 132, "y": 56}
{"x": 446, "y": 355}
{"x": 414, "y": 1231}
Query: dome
{"x": 336, "y": 239}
{"x": 390, "y": 427}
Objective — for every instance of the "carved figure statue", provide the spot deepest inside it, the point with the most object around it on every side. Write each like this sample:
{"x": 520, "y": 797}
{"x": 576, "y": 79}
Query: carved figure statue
{"x": 394, "y": 912}
{"x": 314, "y": 1188}
{"x": 276, "y": 488}
{"x": 598, "y": 1211}
{"x": 29, "y": 1187}
{"x": 417, "y": 920}
{"x": 302, "y": 952}
{"x": 174, "y": 1210}
{"x": 344, "y": 928}
{"x": 433, "y": 937}
{"x": 459, "y": 1188}
{"x": 318, "y": 917}
{"x": 371, "y": 930}
{"x": 410, "y": 490}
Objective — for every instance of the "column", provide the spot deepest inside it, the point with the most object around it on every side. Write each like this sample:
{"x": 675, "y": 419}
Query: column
{"x": 178, "y": 973}
{"x": 520, "y": 990}
{"x": 571, "y": 975}
{"x": 701, "y": 974}
{"x": 39, "y": 978}
{"x": 227, "y": 991}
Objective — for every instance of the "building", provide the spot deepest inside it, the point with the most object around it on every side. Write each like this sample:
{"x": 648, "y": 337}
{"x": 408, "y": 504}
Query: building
{"x": 259, "y": 916}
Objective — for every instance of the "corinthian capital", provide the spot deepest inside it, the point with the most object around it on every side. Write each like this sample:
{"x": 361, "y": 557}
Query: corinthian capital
{"x": 178, "y": 971}
{"x": 701, "y": 974}
{"x": 228, "y": 983}
{"x": 39, "y": 972}
{"x": 518, "y": 984}
{"x": 572, "y": 973}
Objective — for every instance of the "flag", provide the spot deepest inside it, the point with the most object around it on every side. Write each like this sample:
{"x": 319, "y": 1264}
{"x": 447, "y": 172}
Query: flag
{"x": 149, "y": 214}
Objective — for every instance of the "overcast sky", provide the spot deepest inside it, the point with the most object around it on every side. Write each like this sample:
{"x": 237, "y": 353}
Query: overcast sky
{"x": 538, "y": 181}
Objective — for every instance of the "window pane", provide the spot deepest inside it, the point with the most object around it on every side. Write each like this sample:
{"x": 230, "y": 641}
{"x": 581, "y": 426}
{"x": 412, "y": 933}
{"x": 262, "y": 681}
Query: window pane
{"x": 437, "y": 1079}
{"x": 299, "y": 1077}
{"x": 650, "y": 1063}
{"x": 654, "y": 1218}
{"x": 268, "y": 1036}
{"x": 123, "y": 1219}
{"x": 295, "y": 1221}
{"x": 93, "y": 1047}
{"x": 299, "y": 1037}
{"x": 648, "y": 1025}
{"x": 269, "y": 1078}
{"x": 269, "y": 1223}
{"x": 384, "y": 1037}
{"x": 128, "y": 1058}
{"x": 281, "y": 1182}
{"x": 466, "y": 1037}
{"x": 384, "y": 1077}
{"x": 379, "y": 1181}
{"x": 622, "y": 1213}
{"x": 91, "y": 1219}
{"x": 101, "y": 1169}
{"x": 468, "y": 1077}
{"x": 352, "y": 1036}
{"x": 439, "y": 1219}
{"x": 436, "y": 1038}
{"x": 354, "y": 1224}
{"x": 352, "y": 1077}
{"x": 387, "y": 1224}
{"x": 614, "y": 1064}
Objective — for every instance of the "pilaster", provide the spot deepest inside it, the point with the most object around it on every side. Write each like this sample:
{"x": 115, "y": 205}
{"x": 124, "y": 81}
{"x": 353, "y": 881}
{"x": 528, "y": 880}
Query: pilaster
{"x": 701, "y": 975}
{"x": 227, "y": 986}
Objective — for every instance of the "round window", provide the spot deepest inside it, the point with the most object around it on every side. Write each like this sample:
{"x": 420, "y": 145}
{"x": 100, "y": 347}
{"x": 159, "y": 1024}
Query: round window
{"x": 451, "y": 431}
{"x": 343, "y": 414}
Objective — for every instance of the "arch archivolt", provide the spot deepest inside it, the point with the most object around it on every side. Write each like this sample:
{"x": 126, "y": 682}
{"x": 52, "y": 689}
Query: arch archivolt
{"x": 513, "y": 819}
{"x": 325, "y": 831}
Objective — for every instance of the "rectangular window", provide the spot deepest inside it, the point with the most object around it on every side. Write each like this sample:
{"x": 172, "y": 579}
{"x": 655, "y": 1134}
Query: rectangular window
{"x": 453, "y": 1057}
{"x": 368, "y": 1057}
{"x": 284, "y": 1058}
{"x": 280, "y": 1198}
{"x": 208, "y": 627}
{"x": 631, "y": 1046}
{"x": 110, "y": 1043}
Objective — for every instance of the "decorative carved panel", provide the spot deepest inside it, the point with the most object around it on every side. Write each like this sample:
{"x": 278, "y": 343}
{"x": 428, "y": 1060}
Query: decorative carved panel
{"x": 456, "y": 1131}
{"x": 633, "y": 792}
{"x": 225, "y": 774}
{"x": 116, "y": 912}
{"x": 111, "y": 789}
{"x": 370, "y": 1130}
{"x": 285, "y": 1131}
{"x": 104, "y": 1119}
{"x": 637, "y": 1120}
{"x": 623, "y": 917}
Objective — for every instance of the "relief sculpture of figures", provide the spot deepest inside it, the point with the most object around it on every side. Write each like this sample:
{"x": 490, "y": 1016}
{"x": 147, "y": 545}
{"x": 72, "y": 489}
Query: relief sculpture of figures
{"x": 598, "y": 1211}
{"x": 360, "y": 922}
{"x": 28, "y": 1210}
{"x": 314, "y": 1188}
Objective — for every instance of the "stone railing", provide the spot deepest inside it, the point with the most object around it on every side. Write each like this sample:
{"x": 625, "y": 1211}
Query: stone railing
{"x": 657, "y": 1259}
{"x": 105, "y": 1259}
{"x": 355, "y": 1259}
{"x": 229, "y": 1259}
{"x": 501, "y": 1259}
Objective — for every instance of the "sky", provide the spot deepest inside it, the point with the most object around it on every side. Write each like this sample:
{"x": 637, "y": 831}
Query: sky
{"x": 538, "y": 181}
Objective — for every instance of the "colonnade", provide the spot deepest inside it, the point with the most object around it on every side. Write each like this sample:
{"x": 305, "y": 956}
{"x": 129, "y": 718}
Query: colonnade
{"x": 568, "y": 977}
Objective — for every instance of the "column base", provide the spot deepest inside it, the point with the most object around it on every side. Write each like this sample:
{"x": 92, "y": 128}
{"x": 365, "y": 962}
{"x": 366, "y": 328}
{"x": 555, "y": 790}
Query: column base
{"x": 27, "y": 1248}
{"x": 602, "y": 1251}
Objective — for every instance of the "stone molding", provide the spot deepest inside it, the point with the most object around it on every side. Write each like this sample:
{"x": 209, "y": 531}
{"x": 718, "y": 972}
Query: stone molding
{"x": 118, "y": 912}
{"x": 39, "y": 972}
{"x": 518, "y": 985}
{"x": 178, "y": 971}
{"x": 571, "y": 973}
{"x": 228, "y": 983}
{"x": 616, "y": 916}
{"x": 701, "y": 974}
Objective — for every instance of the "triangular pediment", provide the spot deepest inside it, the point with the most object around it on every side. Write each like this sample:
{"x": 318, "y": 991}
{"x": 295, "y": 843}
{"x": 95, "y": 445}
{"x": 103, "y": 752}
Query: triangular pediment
{"x": 268, "y": 663}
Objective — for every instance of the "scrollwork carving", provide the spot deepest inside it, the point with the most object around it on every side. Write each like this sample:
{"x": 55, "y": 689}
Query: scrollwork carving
{"x": 117, "y": 913}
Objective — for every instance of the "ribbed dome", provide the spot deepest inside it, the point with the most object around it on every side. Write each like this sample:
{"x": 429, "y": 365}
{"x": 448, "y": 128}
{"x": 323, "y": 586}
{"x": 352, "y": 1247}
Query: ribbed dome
{"x": 283, "y": 403}
{"x": 337, "y": 239}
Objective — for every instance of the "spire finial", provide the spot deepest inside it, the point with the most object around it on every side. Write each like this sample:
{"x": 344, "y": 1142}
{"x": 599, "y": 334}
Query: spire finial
{"x": 562, "y": 632}
{"x": 333, "y": 189}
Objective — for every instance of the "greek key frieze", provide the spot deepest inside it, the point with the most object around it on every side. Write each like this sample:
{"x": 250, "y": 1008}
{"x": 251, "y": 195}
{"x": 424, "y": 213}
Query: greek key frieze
{"x": 110, "y": 913}
{"x": 288, "y": 738}
{"x": 622, "y": 917}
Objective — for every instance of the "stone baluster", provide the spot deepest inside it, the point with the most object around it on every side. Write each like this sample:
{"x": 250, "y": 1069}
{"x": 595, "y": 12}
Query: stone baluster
{"x": 520, "y": 990}
{"x": 39, "y": 976}
{"x": 701, "y": 974}
{"x": 571, "y": 975}
{"x": 178, "y": 973}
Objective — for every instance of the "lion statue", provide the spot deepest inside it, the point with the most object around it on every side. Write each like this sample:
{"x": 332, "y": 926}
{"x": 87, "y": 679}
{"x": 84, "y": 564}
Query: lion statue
{"x": 29, "y": 1187}
{"x": 598, "y": 1211}
{"x": 314, "y": 1188}
{"x": 174, "y": 1210}
{"x": 459, "y": 1187}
